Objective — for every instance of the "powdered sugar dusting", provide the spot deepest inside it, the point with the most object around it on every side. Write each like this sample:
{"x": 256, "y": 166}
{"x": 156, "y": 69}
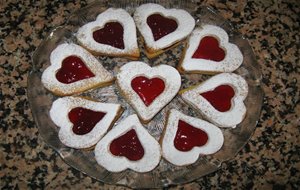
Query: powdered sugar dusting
{"x": 134, "y": 69}
{"x": 59, "y": 115}
{"x": 185, "y": 21}
{"x": 233, "y": 56}
{"x": 152, "y": 153}
{"x": 85, "y": 33}
{"x": 58, "y": 55}
{"x": 180, "y": 158}
{"x": 223, "y": 119}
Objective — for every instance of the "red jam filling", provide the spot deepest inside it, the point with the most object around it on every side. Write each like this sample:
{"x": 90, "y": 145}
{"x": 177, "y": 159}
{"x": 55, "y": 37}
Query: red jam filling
{"x": 73, "y": 69}
{"x": 220, "y": 97}
{"x": 84, "y": 120}
{"x": 111, "y": 34}
{"x": 147, "y": 89}
{"x": 161, "y": 26}
{"x": 187, "y": 137}
{"x": 209, "y": 49}
{"x": 127, "y": 145}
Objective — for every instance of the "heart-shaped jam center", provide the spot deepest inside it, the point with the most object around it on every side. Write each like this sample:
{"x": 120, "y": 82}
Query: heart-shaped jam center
{"x": 148, "y": 89}
{"x": 111, "y": 34}
{"x": 187, "y": 137}
{"x": 73, "y": 69}
{"x": 220, "y": 97}
{"x": 209, "y": 49}
{"x": 84, "y": 120}
{"x": 161, "y": 26}
{"x": 127, "y": 145}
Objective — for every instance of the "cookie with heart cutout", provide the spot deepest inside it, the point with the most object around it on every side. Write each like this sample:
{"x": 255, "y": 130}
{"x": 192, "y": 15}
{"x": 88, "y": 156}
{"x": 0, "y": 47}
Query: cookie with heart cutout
{"x": 148, "y": 89}
{"x": 186, "y": 138}
{"x": 74, "y": 70}
{"x": 219, "y": 99}
{"x": 208, "y": 51}
{"x": 128, "y": 146}
{"x": 162, "y": 28}
{"x": 113, "y": 33}
{"x": 82, "y": 122}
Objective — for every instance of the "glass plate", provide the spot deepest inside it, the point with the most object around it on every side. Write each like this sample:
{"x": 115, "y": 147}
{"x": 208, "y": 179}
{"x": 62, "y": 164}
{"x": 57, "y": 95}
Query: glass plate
{"x": 165, "y": 174}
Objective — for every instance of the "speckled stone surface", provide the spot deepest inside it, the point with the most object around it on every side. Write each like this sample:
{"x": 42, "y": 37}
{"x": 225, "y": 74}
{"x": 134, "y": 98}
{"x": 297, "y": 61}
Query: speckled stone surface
{"x": 271, "y": 159}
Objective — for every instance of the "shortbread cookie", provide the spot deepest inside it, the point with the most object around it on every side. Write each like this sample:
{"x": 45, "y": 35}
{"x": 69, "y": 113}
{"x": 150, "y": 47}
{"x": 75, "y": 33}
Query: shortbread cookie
{"x": 113, "y": 33}
{"x": 128, "y": 146}
{"x": 209, "y": 51}
{"x": 82, "y": 122}
{"x": 74, "y": 70}
{"x": 148, "y": 89}
{"x": 162, "y": 28}
{"x": 220, "y": 99}
{"x": 186, "y": 138}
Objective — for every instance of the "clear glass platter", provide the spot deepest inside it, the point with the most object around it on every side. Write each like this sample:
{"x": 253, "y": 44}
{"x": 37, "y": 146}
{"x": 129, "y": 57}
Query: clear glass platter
{"x": 165, "y": 174}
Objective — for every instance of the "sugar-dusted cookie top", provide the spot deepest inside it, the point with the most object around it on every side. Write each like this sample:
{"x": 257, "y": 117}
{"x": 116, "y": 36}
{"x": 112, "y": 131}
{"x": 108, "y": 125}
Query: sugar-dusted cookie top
{"x": 128, "y": 146}
{"x": 72, "y": 70}
{"x": 162, "y": 28}
{"x": 186, "y": 138}
{"x": 82, "y": 122}
{"x": 220, "y": 99}
{"x": 148, "y": 89}
{"x": 209, "y": 51}
{"x": 113, "y": 33}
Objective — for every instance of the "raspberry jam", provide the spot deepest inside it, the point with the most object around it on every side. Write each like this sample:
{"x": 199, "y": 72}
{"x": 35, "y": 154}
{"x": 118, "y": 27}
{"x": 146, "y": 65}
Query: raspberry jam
{"x": 220, "y": 97}
{"x": 148, "y": 89}
{"x": 161, "y": 26}
{"x": 187, "y": 137}
{"x": 84, "y": 120}
{"x": 127, "y": 145}
{"x": 209, "y": 49}
{"x": 111, "y": 34}
{"x": 73, "y": 69}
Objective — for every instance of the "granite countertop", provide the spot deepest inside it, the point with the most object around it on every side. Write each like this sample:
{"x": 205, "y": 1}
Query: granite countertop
{"x": 271, "y": 159}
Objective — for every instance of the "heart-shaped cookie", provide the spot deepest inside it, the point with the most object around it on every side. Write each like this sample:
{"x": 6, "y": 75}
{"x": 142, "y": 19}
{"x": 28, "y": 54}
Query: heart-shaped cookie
{"x": 82, "y": 122}
{"x": 113, "y": 33}
{"x": 209, "y": 51}
{"x": 162, "y": 28}
{"x": 220, "y": 99}
{"x": 128, "y": 146}
{"x": 186, "y": 138}
{"x": 74, "y": 70}
{"x": 148, "y": 89}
